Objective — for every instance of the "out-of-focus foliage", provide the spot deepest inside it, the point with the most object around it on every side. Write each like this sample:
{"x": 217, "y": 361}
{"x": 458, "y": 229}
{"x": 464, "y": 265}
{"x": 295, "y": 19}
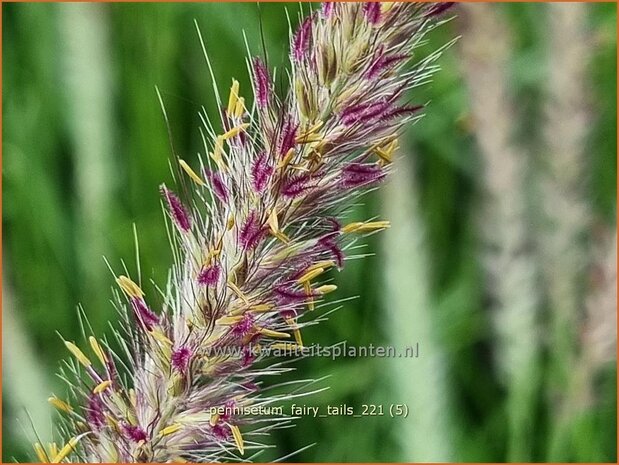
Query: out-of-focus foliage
{"x": 52, "y": 252}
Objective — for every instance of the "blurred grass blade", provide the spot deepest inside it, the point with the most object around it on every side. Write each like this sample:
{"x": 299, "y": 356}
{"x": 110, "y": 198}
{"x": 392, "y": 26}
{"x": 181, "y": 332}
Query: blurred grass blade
{"x": 419, "y": 382}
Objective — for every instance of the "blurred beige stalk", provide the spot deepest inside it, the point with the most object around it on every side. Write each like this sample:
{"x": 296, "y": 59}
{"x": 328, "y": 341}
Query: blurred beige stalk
{"x": 424, "y": 435}
{"x": 25, "y": 386}
{"x": 87, "y": 64}
{"x": 512, "y": 271}
{"x": 567, "y": 221}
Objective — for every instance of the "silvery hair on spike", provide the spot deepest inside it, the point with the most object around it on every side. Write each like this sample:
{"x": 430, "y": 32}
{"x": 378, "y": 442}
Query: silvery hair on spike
{"x": 258, "y": 221}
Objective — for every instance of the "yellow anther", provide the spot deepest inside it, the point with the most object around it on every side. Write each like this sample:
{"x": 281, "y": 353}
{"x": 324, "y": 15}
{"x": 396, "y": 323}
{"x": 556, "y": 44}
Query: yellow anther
{"x": 218, "y": 152}
{"x": 102, "y": 386}
{"x": 271, "y": 333}
{"x": 238, "y": 438}
{"x": 365, "y": 227}
{"x": 308, "y": 291}
{"x": 130, "y": 288}
{"x": 287, "y": 346}
{"x": 228, "y": 320}
{"x": 284, "y": 161}
{"x": 311, "y": 274}
{"x": 308, "y": 138}
{"x": 326, "y": 264}
{"x": 229, "y": 224}
{"x": 41, "y": 454}
{"x": 385, "y": 153}
{"x": 191, "y": 173}
{"x": 160, "y": 337}
{"x": 274, "y": 227}
{"x": 261, "y": 308}
{"x": 214, "y": 419}
{"x": 234, "y": 96}
{"x": 238, "y": 292}
{"x": 66, "y": 450}
{"x": 239, "y": 108}
{"x": 96, "y": 348}
{"x": 60, "y": 404}
{"x": 386, "y": 6}
{"x": 132, "y": 397}
{"x": 79, "y": 355}
{"x": 234, "y": 131}
{"x": 170, "y": 429}
{"x": 326, "y": 288}
{"x": 53, "y": 449}
{"x": 295, "y": 331}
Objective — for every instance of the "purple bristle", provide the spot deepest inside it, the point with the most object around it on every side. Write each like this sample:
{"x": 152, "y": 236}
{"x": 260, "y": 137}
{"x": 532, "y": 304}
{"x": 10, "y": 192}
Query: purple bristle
{"x": 371, "y": 10}
{"x": 94, "y": 412}
{"x": 302, "y": 38}
{"x": 209, "y": 275}
{"x": 134, "y": 433}
{"x": 262, "y": 83}
{"x": 288, "y": 135}
{"x": 439, "y": 8}
{"x": 360, "y": 174}
{"x": 261, "y": 172}
{"x": 218, "y": 186}
{"x": 296, "y": 185}
{"x": 176, "y": 208}
{"x": 251, "y": 232}
{"x": 180, "y": 359}
{"x": 144, "y": 314}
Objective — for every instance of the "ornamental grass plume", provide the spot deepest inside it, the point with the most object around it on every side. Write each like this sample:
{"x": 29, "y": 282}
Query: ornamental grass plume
{"x": 257, "y": 226}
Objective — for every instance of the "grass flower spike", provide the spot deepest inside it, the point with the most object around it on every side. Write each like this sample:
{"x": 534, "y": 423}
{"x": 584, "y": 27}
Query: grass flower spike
{"x": 257, "y": 226}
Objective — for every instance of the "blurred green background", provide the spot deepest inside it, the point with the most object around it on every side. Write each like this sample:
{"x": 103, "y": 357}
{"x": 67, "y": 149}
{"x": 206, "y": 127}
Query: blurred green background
{"x": 500, "y": 262}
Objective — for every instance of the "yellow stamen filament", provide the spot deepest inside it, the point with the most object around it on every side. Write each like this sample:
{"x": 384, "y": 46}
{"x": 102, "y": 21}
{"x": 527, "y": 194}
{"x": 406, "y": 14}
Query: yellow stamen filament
{"x": 234, "y": 95}
{"x": 284, "y": 162}
{"x": 40, "y": 451}
{"x": 60, "y": 404}
{"x": 79, "y": 355}
{"x": 191, "y": 173}
{"x": 66, "y": 450}
{"x": 228, "y": 320}
{"x": 326, "y": 288}
{"x": 130, "y": 288}
{"x": 271, "y": 333}
{"x": 238, "y": 438}
{"x": 365, "y": 227}
{"x": 214, "y": 419}
{"x": 96, "y": 348}
{"x": 170, "y": 429}
{"x": 102, "y": 386}
{"x": 311, "y": 274}
{"x": 235, "y": 131}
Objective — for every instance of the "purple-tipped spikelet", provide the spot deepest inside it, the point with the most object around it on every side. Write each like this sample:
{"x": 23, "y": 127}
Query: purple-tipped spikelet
{"x": 262, "y": 228}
